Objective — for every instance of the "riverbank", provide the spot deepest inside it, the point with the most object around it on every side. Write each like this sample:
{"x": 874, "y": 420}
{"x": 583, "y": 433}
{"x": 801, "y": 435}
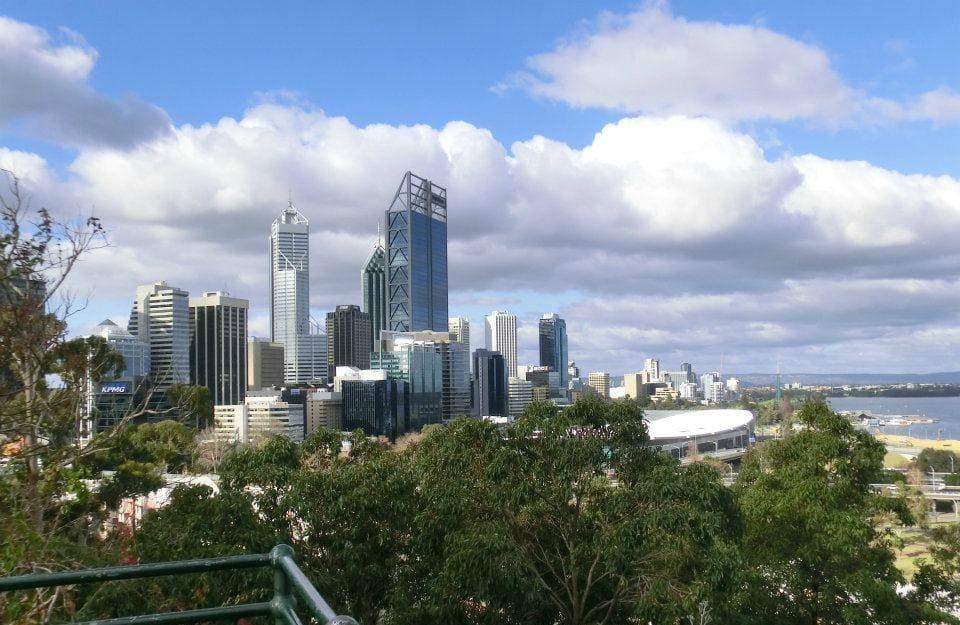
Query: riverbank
{"x": 899, "y": 440}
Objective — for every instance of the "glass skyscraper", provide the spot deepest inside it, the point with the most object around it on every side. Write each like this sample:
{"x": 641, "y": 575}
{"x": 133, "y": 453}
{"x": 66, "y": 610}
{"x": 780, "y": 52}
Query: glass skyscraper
{"x": 373, "y": 284}
{"x": 218, "y": 346}
{"x": 553, "y": 345}
{"x": 417, "y": 257}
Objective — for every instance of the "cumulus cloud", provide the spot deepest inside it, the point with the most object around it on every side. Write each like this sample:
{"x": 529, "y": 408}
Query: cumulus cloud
{"x": 45, "y": 90}
{"x": 674, "y": 236}
{"x": 651, "y": 61}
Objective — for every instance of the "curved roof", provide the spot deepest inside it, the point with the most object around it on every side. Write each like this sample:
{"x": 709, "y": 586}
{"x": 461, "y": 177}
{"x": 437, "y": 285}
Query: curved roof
{"x": 696, "y": 423}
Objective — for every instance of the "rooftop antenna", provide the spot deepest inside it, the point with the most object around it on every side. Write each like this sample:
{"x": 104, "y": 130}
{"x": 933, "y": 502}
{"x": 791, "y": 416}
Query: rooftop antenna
{"x": 379, "y": 235}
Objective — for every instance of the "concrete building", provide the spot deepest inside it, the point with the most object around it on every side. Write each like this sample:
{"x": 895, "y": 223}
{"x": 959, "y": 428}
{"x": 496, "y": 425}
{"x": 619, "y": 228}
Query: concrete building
{"x": 553, "y": 345}
{"x": 373, "y": 288}
{"x": 573, "y": 371}
{"x": 348, "y": 338}
{"x": 324, "y": 409}
{"x": 652, "y": 367}
{"x": 290, "y": 295}
{"x": 633, "y": 385}
{"x": 416, "y": 256}
{"x": 259, "y": 417}
{"x": 489, "y": 384}
{"x": 264, "y": 364}
{"x": 600, "y": 382}
{"x": 218, "y": 346}
{"x": 160, "y": 318}
{"x": 519, "y": 396}
{"x": 459, "y": 328}
{"x": 689, "y": 391}
{"x": 501, "y": 336}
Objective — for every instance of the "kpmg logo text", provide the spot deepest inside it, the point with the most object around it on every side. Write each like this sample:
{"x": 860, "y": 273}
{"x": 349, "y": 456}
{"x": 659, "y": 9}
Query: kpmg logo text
{"x": 115, "y": 387}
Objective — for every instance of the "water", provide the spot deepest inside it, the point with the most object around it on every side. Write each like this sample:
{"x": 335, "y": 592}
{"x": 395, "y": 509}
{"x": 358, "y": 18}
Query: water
{"x": 946, "y": 411}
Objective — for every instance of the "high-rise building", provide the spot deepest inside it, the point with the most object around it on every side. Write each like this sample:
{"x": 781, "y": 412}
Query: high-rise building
{"x": 218, "y": 346}
{"x": 688, "y": 391}
{"x": 459, "y": 328}
{"x": 652, "y": 367}
{"x": 489, "y": 384}
{"x": 373, "y": 287}
{"x": 711, "y": 387}
{"x": 634, "y": 385}
{"x": 519, "y": 396}
{"x": 545, "y": 379}
{"x": 374, "y": 403}
{"x": 348, "y": 338}
{"x": 290, "y": 294}
{"x": 553, "y": 345}
{"x": 264, "y": 364}
{"x": 324, "y": 409}
{"x": 501, "y": 335}
{"x": 600, "y": 382}
{"x": 160, "y": 318}
{"x": 312, "y": 355}
{"x": 573, "y": 371}
{"x": 417, "y": 256}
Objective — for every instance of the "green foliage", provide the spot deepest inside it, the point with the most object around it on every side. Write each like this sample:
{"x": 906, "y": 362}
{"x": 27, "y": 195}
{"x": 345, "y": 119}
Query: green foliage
{"x": 191, "y": 405}
{"x": 952, "y": 480}
{"x": 939, "y": 460}
{"x": 890, "y": 476}
{"x": 813, "y": 553}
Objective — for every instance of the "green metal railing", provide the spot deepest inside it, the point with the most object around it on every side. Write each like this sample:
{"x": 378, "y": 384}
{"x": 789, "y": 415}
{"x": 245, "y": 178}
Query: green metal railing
{"x": 289, "y": 582}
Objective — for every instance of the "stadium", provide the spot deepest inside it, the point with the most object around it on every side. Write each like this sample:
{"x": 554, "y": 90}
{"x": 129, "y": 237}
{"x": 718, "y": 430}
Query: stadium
{"x": 683, "y": 431}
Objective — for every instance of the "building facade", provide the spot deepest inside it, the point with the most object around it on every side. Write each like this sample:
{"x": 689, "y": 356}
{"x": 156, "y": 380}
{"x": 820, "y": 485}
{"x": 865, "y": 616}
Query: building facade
{"x": 416, "y": 255}
{"x": 290, "y": 294}
{"x": 160, "y": 318}
{"x": 553, "y": 345}
{"x": 324, "y": 410}
{"x": 501, "y": 335}
{"x": 459, "y": 328}
{"x": 373, "y": 288}
{"x": 348, "y": 338}
{"x": 519, "y": 396}
{"x": 375, "y": 403}
{"x": 218, "y": 346}
{"x": 259, "y": 417}
{"x": 264, "y": 364}
{"x": 489, "y": 384}
{"x": 600, "y": 382}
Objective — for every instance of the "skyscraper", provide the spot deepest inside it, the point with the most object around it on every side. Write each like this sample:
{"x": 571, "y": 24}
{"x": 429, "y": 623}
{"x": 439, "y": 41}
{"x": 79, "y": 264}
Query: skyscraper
{"x": 501, "y": 335}
{"x": 264, "y": 364}
{"x": 218, "y": 346}
{"x": 417, "y": 256}
{"x": 489, "y": 384}
{"x": 290, "y": 290}
{"x": 459, "y": 328}
{"x": 553, "y": 345}
{"x": 348, "y": 338}
{"x": 600, "y": 381}
{"x": 112, "y": 399}
{"x": 160, "y": 319}
{"x": 373, "y": 286}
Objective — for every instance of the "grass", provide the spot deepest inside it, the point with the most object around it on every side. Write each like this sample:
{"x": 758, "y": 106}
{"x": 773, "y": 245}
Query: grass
{"x": 895, "y": 461}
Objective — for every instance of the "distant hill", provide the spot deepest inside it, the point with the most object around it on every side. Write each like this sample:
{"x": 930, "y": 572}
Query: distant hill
{"x": 841, "y": 379}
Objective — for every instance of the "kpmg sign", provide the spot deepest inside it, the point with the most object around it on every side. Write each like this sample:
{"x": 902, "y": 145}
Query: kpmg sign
{"x": 113, "y": 388}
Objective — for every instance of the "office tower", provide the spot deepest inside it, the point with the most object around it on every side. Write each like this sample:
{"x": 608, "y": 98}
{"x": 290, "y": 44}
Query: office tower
{"x": 260, "y": 416}
{"x": 459, "y": 328}
{"x": 633, "y": 385}
{"x": 116, "y": 396}
{"x": 652, "y": 367}
{"x": 489, "y": 384}
{"x": 348, "y": 338}
{"x": 501, "y": 335}
{"x": 544, "y": 378}
{"x": 290, "y": 292}
{"x": 374, "y": 403}
{"x": 711, "y": 387}
{"x": 553, "y": 345}
{"x": 573, "y": 371}
{"x": 733, "y": 388}
{"x": 160, "y": 318}
{"x": 417, "y": 256}
{"x": 688, "y": 391}
{"x": 519, "y": 396}
{"x": 600, "y": 382}
{"x": 312, "y": 363}
{"x": 324, "y": 410}
{"x": 373, "y": 287}
{"x": 218, "y": 346}
{"x": 264, "y": 364}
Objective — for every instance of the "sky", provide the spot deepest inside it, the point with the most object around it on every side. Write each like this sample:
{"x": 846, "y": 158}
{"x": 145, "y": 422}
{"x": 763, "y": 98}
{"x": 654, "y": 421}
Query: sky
{"x": 734, "y": 184}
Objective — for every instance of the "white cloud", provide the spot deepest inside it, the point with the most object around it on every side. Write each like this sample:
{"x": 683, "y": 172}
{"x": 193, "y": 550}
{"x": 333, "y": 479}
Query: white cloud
{"x": 676, "y": 234}
{"x": 651, "y": 61}
{"x": 44, "y": 87}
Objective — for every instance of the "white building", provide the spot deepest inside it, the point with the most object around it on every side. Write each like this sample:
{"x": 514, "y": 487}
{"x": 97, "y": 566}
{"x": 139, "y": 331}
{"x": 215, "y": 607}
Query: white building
{"x": 688, "y": 391}
{"x": 160, "y": 318}
{"x": 519, "y": 395}
{"x": 459, "y": 328}
{"x": 501, "y": 335}
{"x": 733, "y": 388}
{"x": 600, "y": 382}
{"x": 652, "y": 367}
{"x": 261, "y": 415}
{"x": 304, "y": 352}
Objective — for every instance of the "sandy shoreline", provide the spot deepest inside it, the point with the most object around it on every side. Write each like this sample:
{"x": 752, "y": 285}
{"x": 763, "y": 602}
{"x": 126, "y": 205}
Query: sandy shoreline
{"x": 913, "y": 441}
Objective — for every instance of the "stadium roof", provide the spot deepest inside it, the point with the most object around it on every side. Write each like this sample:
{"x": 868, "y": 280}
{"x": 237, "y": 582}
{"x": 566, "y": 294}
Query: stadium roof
{"x": 697, "y": 423}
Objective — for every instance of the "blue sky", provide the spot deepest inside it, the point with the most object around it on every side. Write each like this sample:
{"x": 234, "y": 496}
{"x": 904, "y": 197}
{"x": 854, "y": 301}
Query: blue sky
{"x": 872, "y": 81}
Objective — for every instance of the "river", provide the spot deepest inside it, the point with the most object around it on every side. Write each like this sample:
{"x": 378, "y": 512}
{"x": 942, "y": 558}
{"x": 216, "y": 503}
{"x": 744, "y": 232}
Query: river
{"x": 946, "y": 411}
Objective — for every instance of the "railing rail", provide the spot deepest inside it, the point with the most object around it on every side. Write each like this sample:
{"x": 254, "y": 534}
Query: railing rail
{"x": 289, "y": 582}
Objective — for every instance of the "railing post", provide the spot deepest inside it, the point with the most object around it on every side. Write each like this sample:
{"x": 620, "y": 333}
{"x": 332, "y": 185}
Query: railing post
{"x": 283, "y": 602}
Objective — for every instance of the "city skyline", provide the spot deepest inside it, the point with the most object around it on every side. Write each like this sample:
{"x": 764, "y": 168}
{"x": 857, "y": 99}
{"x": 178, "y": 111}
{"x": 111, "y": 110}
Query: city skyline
{"x": 810, "y": 226}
